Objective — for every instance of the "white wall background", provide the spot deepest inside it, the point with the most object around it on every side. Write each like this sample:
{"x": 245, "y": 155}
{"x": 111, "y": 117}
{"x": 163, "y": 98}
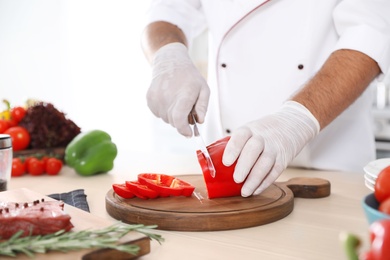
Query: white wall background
{"x": 84, "y": 56}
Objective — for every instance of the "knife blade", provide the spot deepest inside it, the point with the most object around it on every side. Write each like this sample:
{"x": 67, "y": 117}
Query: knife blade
{"x": 202, "y": 147}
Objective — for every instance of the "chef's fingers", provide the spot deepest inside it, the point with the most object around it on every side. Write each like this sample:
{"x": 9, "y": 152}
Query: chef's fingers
{"x": 259, "y": 174}
{"x": 178, "y": 116}
{"x": 269, "y": 179}
{"x": 201, "y": 104}
{"x": 248, "y": 156}
{"x": 235, "y": 145}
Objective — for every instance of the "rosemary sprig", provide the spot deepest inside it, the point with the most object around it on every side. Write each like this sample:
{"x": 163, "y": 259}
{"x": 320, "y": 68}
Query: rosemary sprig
{"x": 70, "y": 241}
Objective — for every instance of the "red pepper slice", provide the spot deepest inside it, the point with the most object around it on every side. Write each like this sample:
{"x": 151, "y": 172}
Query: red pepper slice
{"x": 141, "y": 191}
{"x": 166, "y": 185}
{"x": 122, "y": 191}
{"x": 223, "y": 185}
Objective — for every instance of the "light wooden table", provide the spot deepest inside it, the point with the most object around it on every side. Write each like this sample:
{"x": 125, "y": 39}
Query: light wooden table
{"x": 310, "y": 232}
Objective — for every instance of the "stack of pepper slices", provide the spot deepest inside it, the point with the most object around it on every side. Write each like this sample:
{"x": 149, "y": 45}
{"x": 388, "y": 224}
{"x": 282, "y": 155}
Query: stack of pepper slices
{"x": 152, "y": 185}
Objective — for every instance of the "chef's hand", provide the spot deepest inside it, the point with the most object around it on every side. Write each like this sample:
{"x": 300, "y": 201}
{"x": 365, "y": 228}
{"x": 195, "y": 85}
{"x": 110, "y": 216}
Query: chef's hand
{"x": 177, "y": 87}
{"x": 265, "y": 147}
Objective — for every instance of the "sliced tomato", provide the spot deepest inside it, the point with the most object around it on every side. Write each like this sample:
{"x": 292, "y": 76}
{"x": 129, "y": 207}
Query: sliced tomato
{"x": 123, "y": 191}
{"x": 141, "y": 191}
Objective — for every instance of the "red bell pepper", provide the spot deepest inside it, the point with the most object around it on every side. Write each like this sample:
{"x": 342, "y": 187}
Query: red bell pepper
{"x": 141, "y": 191}
{"x": 166, "y": 185}
{"x": 122, "y": 191}
{"x": 380, "y": 241}
{"x": 223, "y": 185}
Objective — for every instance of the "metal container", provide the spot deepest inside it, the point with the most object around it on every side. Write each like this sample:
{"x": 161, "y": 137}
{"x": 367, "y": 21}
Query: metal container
{"x": 5, "y": 161}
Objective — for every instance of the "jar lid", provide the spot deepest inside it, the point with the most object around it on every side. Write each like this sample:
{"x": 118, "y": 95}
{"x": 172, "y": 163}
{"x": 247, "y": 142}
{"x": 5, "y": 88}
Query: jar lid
{"x": 5, "y": 141}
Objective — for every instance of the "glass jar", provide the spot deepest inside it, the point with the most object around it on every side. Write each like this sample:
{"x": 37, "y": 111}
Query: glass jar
{"x": 5, "y": 161}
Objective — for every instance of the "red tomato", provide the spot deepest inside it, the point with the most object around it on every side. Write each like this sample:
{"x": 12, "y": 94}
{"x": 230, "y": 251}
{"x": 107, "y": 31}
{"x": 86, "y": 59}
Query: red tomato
{"x": 384, "y": 206}
{"x": 53, "y": 166}
{"x": 20, "y": 137}
{"x": 17, "y": 113}
{"x": 35, "y": 167}
{"x": 44, "y": 160}
{"x": 18, "y": 168}
{"x": 123, "y": 191}
{"x": 4, "y": 125}
{"x": 26, "y": 161}
{"x": 382, "y": 185}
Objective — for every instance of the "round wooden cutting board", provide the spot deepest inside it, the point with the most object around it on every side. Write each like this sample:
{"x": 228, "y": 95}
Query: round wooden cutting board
{"x": 198, "y": 213}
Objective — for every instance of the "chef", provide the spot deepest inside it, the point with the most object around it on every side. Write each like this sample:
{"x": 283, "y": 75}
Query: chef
{"x": 288, "y": 80}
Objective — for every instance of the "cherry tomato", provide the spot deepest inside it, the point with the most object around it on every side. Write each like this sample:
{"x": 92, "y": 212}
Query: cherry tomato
{"x": 35, "y": 167}
{"x": 123, "y": 191}
{"x": 44, "y": 160}
{"x": 26, "y": 160}
{"x": 17, "y": 113}
{"x": 12, "y": 122}
{"x": 4, "y": 125}
{"x": 384, "y": 206}
{"x": 53, "y": 166}
{"x": 20, "y": 137}
{"x": 18, "y": 168}
{"x": 382, "y": 185}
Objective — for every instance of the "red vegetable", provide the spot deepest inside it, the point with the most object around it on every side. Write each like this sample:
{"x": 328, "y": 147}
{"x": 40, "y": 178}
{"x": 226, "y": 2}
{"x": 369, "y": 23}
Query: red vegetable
{"x": 17, "y": 113}
{"x": 123, "y": 191}
{"x": 380, "y": 241}
{"x": 18, "y": 168}
{"x": 153, "y": 185}
{"x": 141, "y": 191}
{"x": 35, "y": 167}
{"x": 382, "y": 185}
{"x": 53, "y": 166}
{"x": 4, "y": 125}
{"x": 20, "y": 137}
{"x": 223, "y": 185}
{"x": 166, "y": 185}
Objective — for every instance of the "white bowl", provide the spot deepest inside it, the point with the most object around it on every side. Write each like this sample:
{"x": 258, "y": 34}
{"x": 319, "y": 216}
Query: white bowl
{"x": 375, "y": 167}
{"x": 369, "y": 185}
{"x": 369, "y": 179}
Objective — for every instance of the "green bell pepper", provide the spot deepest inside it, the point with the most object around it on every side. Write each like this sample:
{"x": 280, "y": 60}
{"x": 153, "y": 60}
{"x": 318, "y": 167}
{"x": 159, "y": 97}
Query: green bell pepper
{"x": 91, "y": 152}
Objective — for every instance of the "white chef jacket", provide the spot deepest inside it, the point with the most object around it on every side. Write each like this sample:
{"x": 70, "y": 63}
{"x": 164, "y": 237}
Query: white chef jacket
{"x": 261, "y": 52}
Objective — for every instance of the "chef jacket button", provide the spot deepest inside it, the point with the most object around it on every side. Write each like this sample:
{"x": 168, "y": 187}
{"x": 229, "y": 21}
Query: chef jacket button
{"x": 228, "y": 131}
{"x": 223, "y": 65}
{"x": 300, "y": 66}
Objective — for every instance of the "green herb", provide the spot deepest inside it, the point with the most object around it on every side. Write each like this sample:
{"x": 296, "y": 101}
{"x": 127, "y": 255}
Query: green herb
{"x": 70, "y": 241}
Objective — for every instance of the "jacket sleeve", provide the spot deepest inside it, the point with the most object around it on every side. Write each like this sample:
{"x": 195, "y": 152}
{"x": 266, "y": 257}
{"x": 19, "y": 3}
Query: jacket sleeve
{"x": 186, "y": 14}
{"x": 364, "y": 25}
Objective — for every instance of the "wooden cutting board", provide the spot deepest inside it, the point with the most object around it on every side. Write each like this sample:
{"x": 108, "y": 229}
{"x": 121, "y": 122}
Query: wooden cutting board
{"x": 81, "y": 220}
{"x": 197, "y": 213}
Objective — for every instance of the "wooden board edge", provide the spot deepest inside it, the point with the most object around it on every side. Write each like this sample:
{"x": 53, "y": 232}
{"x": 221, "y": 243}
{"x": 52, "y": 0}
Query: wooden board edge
{"x": 107, "y": 253}
{"x": 200, "y": 221}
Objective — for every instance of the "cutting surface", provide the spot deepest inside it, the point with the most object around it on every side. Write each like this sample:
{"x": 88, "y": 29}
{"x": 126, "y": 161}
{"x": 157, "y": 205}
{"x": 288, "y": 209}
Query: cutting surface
{"x": 81, "y": 220}
{"x": 197, "y": 213}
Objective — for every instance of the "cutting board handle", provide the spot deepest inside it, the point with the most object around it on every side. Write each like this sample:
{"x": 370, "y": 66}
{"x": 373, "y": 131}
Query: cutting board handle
{"x": 305, "y": 187}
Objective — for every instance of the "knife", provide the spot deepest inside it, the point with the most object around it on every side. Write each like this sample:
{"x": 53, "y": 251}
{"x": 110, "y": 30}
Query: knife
{"x": 202, "y": 147}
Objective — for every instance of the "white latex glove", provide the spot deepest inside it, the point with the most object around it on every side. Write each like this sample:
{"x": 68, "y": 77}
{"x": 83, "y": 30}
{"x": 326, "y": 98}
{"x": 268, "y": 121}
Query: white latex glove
{"x": 177, "y": 87}
{"x": 266, "y": 146}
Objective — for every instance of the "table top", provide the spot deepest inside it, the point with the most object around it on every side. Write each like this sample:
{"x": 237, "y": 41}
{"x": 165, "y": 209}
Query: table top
{"x": 310, "y": 231}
